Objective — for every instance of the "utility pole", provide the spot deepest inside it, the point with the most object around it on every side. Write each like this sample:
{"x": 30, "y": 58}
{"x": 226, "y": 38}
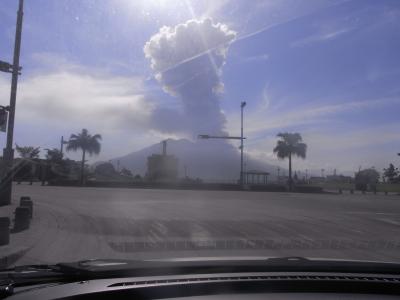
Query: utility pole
{"x": 8, "y": 152}
{"x": 63, "y": 142}
{"x": 242, "y": 105}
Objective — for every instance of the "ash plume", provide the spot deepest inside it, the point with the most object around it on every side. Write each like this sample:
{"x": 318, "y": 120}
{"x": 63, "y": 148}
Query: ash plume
{"x": 187, "y": 60}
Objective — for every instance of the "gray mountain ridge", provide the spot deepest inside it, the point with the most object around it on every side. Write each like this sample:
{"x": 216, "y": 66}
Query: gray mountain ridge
{"x": 206, "y": 159}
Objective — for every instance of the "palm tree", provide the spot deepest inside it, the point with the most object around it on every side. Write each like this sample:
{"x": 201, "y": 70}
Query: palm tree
{"x": 27, "y": 168}
{"x": 290, "y": 144}
{"x": 28, "y": 152}
{"x": 87, "y": 143}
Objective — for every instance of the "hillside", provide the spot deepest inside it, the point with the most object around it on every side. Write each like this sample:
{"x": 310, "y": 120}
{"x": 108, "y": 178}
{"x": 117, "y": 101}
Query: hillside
{"x": 206, "y": 159}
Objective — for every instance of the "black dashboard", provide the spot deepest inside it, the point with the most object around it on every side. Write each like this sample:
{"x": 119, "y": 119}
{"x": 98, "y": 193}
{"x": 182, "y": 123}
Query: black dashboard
{"x": 265, "y": 285}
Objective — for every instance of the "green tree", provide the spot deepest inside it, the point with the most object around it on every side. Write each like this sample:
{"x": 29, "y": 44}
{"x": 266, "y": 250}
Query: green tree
{"x": 391, "y": 173}
{"x": 54, "y": 166}
{"x": 105, "y": 169}
{"x": 87, "y": 143}
{"x": 54, "y": 155}
{"x": 28, "y": 152}
{"x": 26, "y": 170}
{"x": 288, "y": 145}
{"x": 366, "y": 178}
{"x": 126, "y": 172}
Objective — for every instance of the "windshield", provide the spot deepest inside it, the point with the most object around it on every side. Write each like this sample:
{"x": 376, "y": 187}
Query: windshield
{"x": 157, "y": 129}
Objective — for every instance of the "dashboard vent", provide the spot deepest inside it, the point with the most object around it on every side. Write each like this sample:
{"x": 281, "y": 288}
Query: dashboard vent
{"x": 174, "y": 281}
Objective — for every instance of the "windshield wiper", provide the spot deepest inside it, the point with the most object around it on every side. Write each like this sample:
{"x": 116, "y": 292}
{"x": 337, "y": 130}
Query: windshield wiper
{"x": 27, "y": 275}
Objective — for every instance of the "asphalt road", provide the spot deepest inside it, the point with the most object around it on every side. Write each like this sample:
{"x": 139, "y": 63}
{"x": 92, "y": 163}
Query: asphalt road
{"x": 80, "y": 223}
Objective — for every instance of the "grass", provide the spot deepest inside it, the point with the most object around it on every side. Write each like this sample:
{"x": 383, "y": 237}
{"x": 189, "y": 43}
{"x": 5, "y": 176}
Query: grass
{"x": 382, "y": 187}
{"x": 391, "y": 188}
{"x": 336, "y": 186}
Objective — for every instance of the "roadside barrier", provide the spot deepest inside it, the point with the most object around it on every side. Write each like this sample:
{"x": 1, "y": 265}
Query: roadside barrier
{"x": 24, "y": 198}
{"x": 4, "y": 231}
{"x": 26, "y": 202}
{"x": 22, "y": 218}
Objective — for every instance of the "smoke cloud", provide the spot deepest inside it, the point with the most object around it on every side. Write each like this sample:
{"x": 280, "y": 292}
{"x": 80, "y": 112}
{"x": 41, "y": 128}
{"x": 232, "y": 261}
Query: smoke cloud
{"x": 188, "y": 60}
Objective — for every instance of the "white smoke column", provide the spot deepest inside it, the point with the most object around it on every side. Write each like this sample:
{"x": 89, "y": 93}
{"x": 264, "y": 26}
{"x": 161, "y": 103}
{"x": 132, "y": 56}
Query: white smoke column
{"x": 188, "y": 60}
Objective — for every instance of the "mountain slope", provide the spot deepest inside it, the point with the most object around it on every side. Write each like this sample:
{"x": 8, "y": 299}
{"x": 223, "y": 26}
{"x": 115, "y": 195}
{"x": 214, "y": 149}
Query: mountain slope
{"x": 205, "y": 159}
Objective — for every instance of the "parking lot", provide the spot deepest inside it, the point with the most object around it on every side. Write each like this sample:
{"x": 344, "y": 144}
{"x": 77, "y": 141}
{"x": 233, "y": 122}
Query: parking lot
{"x": 80, "y": 223}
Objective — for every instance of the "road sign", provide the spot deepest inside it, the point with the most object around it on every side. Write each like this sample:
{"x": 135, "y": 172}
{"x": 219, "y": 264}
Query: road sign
{"x": 8, "y": 68}
{"x": 3, "y": 119}
{"x": 5, "y": 66}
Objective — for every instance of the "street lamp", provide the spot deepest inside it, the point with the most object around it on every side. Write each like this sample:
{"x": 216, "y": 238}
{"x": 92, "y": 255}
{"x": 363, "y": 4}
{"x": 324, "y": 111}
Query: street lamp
{"x": 8, "y": 152}
{"x": 242, "y": 105}
{"x": 225, "y": 137}
{"x": 63, "y": 142}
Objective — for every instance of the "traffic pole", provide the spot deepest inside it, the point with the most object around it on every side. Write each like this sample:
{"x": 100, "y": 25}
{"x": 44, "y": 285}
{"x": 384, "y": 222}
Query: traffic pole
{"x": 8, "y": 152}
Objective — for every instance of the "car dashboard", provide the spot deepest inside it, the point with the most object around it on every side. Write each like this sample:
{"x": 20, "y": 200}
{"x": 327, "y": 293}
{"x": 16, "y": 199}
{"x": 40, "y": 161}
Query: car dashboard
{"x": 255, "y": 285}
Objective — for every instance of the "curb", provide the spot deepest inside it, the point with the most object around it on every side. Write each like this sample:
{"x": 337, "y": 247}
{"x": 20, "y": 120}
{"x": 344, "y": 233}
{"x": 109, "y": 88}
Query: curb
{"x": 12, "y": 256}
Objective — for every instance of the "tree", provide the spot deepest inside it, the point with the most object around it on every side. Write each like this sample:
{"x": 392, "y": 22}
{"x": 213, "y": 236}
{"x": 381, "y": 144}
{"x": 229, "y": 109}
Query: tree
{"x": 391, "y": 173}
{"x": 54, "y": 155}
{"x": 366, "y": 178}
{"x": 105, "y": 169}
{"x": 26, "y": 169}
{"x": 28, "y": 152}
{"x": 126, "y": 172}
{"x": 290, "y": 144}
{"x": 87, "y": 143}
{"x": 54, "y": 167}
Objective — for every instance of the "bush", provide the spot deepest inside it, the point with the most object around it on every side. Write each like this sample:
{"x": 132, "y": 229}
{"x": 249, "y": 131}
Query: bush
{"x": 105, "y": 169}
{"x": 308, "y": 189}
{"x": 366, "y": 178}
{"x": 361, "y": 186}
{"x": 269, "y": 188}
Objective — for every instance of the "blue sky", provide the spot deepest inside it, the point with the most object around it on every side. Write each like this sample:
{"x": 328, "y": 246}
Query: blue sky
{"x": 327, "y": 69}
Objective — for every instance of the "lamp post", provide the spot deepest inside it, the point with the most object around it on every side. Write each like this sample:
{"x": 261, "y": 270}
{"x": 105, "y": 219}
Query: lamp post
{"x": 63, "y": 142}
{"x": 8, "y": 152}
{"x": 242, "y": 105}
{"x": 206, "y": 137}
{"x": 241, "y": 138}
{"x": 278, "y": 169}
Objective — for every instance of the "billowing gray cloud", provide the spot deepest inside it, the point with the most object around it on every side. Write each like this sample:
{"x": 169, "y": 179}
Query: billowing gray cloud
{"x": 69, "y": 97}
{"x": 188, "y": 60}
